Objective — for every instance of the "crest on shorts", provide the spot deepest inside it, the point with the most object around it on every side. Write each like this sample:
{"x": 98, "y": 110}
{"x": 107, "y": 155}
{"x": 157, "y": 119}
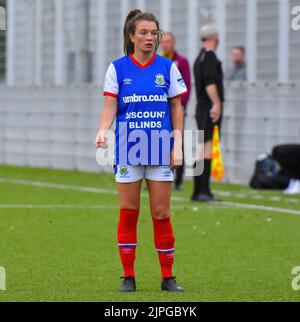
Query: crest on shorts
{"x": 123, "y": 171}
{"x": 160, "y": 79}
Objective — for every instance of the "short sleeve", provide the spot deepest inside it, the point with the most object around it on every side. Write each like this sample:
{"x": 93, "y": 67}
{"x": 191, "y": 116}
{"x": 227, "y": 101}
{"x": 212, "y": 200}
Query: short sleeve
{"x": 210, "y": 69}
{"x": 177, "y": 84}
{"x": 111, "y": 86}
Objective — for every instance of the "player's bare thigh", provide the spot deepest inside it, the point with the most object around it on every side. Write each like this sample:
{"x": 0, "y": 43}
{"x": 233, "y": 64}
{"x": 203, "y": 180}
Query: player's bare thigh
{"x": 129, "y": 195}
{"x": 160, "y": 198}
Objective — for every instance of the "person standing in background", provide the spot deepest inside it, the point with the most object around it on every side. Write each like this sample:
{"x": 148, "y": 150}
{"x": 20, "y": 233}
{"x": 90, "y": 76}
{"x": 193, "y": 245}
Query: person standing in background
{"x": 238, "y": 69}
{"x": 168, "y": 46}
{"x": 210, "y": 97}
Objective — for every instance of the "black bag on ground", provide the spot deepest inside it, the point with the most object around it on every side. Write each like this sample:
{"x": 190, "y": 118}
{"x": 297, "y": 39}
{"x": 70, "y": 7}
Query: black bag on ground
{"x": 268, "y": 174}
{"x": 288, "y": 156}
{"x": 276, "y": 171}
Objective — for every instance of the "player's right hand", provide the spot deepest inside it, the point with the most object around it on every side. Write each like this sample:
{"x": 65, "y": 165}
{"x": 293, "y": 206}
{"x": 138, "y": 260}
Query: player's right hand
{"x": 176, "y": 158}
{"x": 100, "y": 140}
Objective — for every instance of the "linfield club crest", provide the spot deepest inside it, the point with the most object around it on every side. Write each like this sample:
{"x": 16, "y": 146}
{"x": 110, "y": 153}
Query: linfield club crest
{"x": 160, "y": 79}
{"x": 123, "y": 171}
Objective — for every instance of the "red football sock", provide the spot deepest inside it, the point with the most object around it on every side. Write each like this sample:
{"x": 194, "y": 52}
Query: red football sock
{"x": 164, "y": 242}
{"x": 127, "y": 239}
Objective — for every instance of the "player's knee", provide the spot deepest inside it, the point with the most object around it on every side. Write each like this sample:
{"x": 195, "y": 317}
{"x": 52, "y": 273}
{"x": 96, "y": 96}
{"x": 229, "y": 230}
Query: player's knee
{"x": 161, "y": 214}
{"x": 130, "y": 206}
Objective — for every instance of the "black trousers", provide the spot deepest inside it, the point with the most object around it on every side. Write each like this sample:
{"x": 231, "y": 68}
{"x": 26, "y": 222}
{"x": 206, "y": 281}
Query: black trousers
{"x": 204, "y": 121}
{"x": 179, "y": 175}
{"x": 179, "y": 172}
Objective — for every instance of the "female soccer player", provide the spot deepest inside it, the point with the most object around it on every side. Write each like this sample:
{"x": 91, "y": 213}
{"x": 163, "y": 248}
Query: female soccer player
{"x": 143, "y": 91}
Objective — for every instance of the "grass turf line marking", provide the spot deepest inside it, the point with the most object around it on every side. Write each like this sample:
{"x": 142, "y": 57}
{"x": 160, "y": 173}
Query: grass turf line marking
{"x": 207, "y": 208}
{"x": 107, "y": 191}
{"x": 56, "y": 186}
{"x": 31, "y": 206}
{"x": 68, "y": 187}
{"x": 260, "y": 207}
{"x": 253, "y": 194}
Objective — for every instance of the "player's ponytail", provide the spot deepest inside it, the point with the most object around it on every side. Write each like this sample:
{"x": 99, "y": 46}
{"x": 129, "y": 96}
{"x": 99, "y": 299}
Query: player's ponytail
{"x": 130, "y": 25}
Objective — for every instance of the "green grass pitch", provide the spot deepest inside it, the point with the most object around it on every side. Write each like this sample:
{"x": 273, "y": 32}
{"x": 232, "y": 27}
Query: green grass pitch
{"x": 58, "y": 242}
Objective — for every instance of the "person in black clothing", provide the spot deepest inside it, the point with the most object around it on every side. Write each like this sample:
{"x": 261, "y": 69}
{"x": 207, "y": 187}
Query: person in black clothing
{"x": 210, "y": 97}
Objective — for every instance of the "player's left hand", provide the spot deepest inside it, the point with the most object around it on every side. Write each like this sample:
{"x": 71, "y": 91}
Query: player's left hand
{"x": 215, "y": 113}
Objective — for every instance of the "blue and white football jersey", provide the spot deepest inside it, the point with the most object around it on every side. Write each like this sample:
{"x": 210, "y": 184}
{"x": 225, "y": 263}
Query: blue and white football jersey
{"x": 143, "y": 121}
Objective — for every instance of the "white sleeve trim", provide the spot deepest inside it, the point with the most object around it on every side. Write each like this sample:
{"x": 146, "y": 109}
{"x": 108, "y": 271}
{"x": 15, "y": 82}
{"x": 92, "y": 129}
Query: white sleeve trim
{"x": 111, "y": 81}
{"x": 177, "y": 84}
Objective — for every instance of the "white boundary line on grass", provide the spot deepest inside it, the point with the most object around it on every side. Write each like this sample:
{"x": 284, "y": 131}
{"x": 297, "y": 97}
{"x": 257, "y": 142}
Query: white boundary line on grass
{"x": 219, "y": 204}
{"x": 81, "y": 206}
{"x": 40, "y": 206}
{"x": 107, "y": 191}
{"x": 254, "y": 195}
{"x": 259, "y": 207}
{"x": 56, "y": 186}
{"x": 68, "y": 187}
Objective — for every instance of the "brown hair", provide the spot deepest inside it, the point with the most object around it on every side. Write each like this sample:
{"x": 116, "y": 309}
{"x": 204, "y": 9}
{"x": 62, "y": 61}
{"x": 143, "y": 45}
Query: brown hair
{"x": 130, "y": 26}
